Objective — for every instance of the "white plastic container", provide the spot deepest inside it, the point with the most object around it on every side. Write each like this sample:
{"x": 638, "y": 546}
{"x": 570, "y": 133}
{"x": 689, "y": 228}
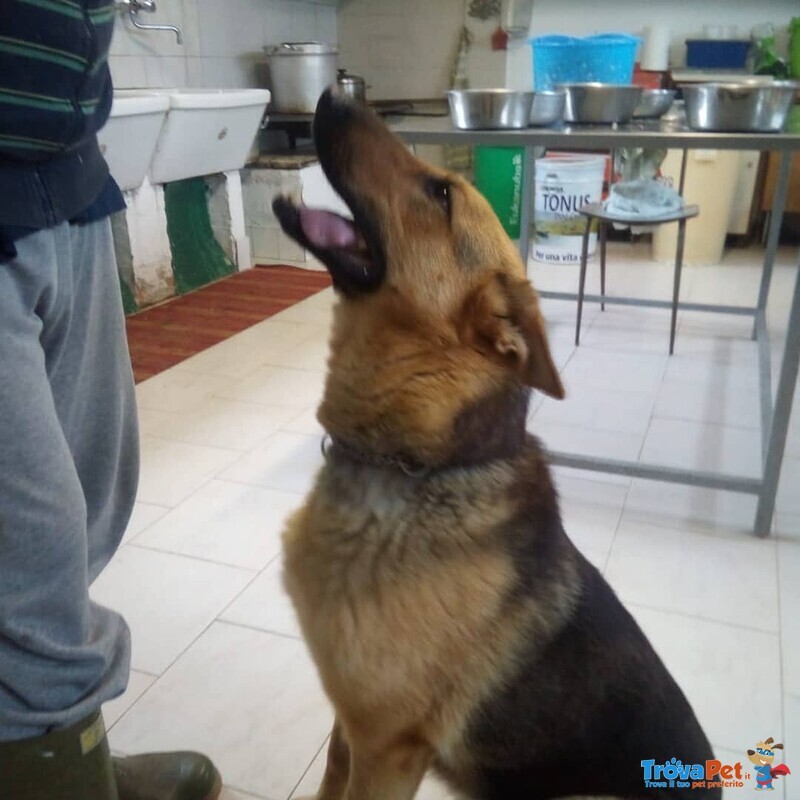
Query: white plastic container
{"x": 207, "y": 131}
{"x": 711, "y": 181}
{"x": 129, "y": 137}
{"x": 564, "y": 183}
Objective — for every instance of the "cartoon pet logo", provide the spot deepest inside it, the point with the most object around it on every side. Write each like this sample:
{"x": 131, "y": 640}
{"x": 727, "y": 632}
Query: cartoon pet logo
{"x": 762, "y": 757}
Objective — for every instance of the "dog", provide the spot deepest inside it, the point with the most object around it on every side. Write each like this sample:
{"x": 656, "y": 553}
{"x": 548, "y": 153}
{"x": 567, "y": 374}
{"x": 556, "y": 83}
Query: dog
{"x": 454, "y": 625}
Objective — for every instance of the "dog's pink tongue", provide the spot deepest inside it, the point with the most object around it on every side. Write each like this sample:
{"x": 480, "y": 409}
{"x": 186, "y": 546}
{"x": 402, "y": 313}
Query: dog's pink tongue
{"x": 326, "y": 229}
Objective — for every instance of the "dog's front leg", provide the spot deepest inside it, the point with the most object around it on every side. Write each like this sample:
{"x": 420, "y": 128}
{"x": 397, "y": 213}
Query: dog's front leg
{"x": 337, "y": 767}
{"x": 391, "y": 772}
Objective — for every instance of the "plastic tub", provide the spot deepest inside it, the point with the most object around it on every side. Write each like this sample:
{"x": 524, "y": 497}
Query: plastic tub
{"x": 564, "y": 184}
{"x": 717, "y": 53}
{"x": 604, "y": 58}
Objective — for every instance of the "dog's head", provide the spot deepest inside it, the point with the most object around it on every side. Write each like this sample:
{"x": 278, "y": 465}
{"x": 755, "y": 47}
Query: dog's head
{"x": 436, "y": 316}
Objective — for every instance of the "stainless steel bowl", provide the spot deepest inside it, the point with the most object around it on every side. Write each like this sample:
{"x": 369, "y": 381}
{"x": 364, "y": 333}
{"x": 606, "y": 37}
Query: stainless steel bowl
{"x": 654, "y": 103}
{"x": 475, "y": 109}
{"x": 738, "y": 107}
{"x": 600, "y": 102}
{"x": 548, "y": 107}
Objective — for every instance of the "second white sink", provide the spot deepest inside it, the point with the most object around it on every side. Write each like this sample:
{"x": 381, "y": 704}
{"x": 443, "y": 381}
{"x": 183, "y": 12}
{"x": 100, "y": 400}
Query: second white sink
{"x": 206, "y": 131}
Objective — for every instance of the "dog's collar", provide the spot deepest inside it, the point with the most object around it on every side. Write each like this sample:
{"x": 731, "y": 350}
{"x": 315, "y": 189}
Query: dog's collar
{"x": 331, "y": 445}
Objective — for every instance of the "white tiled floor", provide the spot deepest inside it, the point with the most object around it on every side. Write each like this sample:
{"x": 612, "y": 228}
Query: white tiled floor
{"x": 230, "y": 444}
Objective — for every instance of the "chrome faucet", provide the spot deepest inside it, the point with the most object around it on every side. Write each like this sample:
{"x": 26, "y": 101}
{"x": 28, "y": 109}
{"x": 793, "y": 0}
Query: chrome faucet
{"x": 134, "y": 7}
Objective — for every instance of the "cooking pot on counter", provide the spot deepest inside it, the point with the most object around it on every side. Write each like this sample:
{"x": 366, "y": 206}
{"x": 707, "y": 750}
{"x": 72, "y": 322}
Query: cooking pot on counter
{"x": 352, "y": 86}
{"x": 299, "y": 73}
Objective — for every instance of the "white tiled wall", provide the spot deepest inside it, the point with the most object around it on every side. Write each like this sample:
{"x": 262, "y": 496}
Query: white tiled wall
{"x": 223, "y": 40}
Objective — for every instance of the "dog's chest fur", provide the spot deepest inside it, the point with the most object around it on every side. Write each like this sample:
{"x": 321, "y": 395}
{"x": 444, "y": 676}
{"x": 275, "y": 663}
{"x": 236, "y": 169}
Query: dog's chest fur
{"x": 405, "y": 590}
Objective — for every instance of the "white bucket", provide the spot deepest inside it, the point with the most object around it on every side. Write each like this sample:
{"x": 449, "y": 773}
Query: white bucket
{"x": 564, "y": 183}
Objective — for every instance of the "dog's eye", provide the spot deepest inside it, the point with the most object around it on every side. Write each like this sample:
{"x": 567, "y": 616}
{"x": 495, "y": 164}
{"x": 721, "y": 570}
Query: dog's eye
{"x": 439, "y": 191}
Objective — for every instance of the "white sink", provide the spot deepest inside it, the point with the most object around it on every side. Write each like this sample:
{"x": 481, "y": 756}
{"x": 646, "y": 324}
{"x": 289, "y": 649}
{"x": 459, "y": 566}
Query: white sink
{"x": 129, "y": 137}
{"x": 206, "y": 131}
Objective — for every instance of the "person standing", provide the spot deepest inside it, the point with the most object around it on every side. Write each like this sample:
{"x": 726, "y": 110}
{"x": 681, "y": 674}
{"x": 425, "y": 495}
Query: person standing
{"x": 69, "y": 457}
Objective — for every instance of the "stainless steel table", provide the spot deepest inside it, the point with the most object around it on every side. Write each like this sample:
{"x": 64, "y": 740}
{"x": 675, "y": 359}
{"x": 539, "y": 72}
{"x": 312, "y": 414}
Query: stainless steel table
{"x": 774, "y": 416}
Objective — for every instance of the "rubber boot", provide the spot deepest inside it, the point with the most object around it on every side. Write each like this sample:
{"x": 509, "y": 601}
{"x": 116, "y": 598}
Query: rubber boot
{"x": 71, "y": 763}
{"x": 167, "y": 776}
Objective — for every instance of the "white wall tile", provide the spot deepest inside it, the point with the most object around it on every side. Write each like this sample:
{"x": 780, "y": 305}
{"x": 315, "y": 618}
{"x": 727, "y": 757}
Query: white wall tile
{"x": 327, "y": 28}
{"x": 227, "y": 73}
{"x": 191, "y": 28}
{"x": 277, "y": 22}
{"x": 194, "y": 72}
{"x": 304, "y": 19}
{"x": 230, "y": 29}
{"x": 128, "y": 72}
{"x": 164, "y": 72}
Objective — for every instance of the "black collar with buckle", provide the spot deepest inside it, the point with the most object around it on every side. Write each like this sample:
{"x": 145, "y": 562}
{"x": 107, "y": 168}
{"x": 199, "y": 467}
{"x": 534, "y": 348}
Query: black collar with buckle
{"x": 488, "y": 431}
{"x": 334, "y": 446}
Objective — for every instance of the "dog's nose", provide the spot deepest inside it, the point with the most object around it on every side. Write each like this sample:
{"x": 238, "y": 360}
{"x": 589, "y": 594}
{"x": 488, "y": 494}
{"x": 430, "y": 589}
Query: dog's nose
{"x": 333, "y": 120}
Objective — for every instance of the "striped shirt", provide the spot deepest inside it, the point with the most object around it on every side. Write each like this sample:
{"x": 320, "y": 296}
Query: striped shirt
{"x": 55, "y": 94}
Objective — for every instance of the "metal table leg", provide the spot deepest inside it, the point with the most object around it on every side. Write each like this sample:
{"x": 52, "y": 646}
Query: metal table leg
{"x": 682, "y": 179}
{"x": 676, "y": 287}
{"x": 779, "y": 426}
{"x": 603, "y": 235}
{"x": 775, "y": 222}
{"x": 582, "y": 279}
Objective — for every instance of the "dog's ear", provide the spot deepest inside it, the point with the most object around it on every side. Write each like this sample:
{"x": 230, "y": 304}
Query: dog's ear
{"x": 501, "y": 318}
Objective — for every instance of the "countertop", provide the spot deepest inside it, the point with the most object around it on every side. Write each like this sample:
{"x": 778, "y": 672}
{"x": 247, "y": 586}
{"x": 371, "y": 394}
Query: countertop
{"x": 438, "y": 130}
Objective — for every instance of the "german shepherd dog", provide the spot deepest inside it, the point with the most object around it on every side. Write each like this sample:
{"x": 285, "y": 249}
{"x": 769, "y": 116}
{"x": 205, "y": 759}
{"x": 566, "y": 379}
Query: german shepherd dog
{"x": 454, "y": 625}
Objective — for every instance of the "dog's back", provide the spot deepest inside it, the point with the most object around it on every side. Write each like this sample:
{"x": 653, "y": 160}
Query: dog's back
{"x": 589, "y": 700}
{"x": 585, "y": 710}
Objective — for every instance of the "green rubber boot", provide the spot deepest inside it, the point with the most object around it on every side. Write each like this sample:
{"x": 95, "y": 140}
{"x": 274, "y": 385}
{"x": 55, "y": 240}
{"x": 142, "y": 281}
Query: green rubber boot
{"x": 167, "y": 776}
{"x": 71, "y": 763}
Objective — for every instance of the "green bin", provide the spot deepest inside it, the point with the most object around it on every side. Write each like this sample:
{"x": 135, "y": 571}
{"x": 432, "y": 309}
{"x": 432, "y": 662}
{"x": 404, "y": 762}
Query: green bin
{"x": 794, "y": 47}
{"x": 498, "y": 177}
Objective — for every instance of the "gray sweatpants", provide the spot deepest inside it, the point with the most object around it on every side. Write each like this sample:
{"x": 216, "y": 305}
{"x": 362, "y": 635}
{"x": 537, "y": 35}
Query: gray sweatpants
{"x": 68, "y": 470}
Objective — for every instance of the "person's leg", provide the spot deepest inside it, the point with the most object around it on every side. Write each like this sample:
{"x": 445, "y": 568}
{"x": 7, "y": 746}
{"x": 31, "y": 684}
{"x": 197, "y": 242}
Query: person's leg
{"x": 68, "y": 474}
{"x": 92, "y": 381}
{"x": 61, "y": 656}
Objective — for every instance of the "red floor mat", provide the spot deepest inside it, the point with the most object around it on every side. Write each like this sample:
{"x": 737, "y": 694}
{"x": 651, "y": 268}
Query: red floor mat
{"x": 165, "y": 335}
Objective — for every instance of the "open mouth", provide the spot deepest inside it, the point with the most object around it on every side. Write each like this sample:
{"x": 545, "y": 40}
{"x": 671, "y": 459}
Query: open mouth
{"x": 348, "y": 248}
{"x": 351, "y": 255}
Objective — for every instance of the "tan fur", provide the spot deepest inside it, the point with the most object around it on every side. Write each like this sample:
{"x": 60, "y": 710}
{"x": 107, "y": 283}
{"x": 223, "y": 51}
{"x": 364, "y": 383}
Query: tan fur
{"x": 402, "y": 601}
{"x": 401, "y": 589}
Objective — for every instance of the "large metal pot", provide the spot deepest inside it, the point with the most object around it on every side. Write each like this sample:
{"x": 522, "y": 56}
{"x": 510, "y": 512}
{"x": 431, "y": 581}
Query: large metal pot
{"x": 300, "y": 72}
